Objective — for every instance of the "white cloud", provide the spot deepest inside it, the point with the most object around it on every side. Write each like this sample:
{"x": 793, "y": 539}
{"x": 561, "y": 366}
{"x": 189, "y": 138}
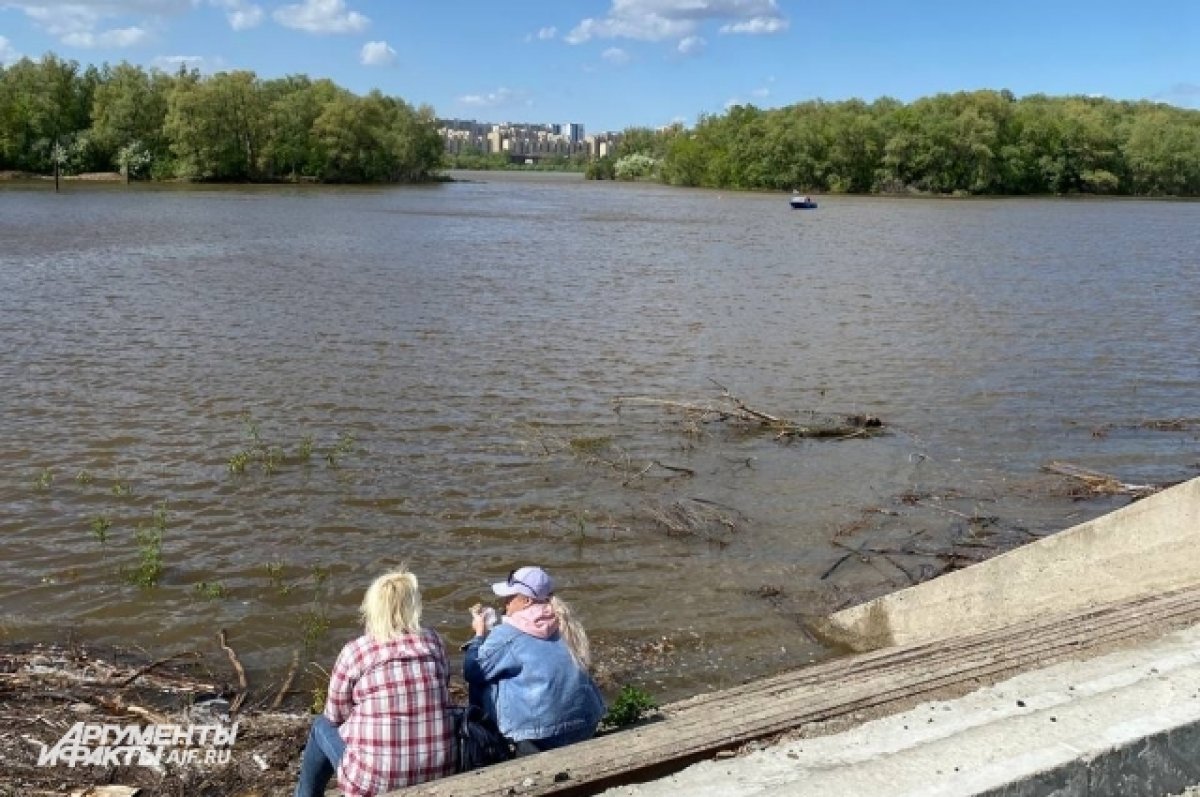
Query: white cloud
{"x": 112, "y": 38}
{"x": 100, "y": 23}
{"x": 545, "y": 34}
{"x": 172, "y": 63}
{"x": 759, "y": 26}
{"x": 321, "y": 16}
{"x": 241, "y": 15}
{"x": 615, "y": 56}
{"x": 658, "y": 20}
{"x": 8, "y": 53}
{"x": 501, "y": 97}
{"x": 377, "y": 54}
{"x": 691, "y": 45}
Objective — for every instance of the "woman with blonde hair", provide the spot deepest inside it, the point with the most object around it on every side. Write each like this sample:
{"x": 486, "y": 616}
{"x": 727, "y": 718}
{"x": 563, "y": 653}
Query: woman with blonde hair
{"x": 386, "y": 722}
{"x": 531, "y": 673}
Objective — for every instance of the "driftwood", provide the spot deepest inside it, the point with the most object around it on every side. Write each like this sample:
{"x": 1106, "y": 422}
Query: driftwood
{"x": 1097, "y": 483}
{"x": 241, "y": 673}
{"x": 729, "y": 408}
{"x": 287, "y": 681}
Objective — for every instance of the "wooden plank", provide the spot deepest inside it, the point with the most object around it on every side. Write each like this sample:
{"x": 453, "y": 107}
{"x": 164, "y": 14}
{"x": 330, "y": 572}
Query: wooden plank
{"x": 880, "y": 681}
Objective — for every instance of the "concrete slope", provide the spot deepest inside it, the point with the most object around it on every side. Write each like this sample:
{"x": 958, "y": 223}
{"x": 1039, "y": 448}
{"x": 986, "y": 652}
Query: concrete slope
{"x": 1125, "y": 723}
{"x": 1150, "y": 546}
{"x": 823, "y": 699}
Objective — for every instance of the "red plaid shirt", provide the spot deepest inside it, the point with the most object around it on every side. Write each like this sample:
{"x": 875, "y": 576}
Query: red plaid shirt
{"x": 390, "y": 703}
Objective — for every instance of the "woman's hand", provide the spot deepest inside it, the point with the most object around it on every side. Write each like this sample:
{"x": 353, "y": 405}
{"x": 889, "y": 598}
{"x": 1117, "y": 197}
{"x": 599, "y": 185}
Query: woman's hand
{"x": 479, "y": 625}
{"x": 482, "y": 619}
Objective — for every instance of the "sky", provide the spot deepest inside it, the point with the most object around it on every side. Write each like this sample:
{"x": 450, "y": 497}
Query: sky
{"x": 612, "y": 64}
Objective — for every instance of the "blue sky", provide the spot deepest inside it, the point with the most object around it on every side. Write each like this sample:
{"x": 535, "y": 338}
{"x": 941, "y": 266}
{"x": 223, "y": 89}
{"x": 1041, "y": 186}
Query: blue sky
{"x": 610, "y": 64}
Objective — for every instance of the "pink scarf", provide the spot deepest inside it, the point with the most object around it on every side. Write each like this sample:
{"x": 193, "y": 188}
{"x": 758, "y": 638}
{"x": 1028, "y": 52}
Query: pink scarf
{"x": 536, "y": 619}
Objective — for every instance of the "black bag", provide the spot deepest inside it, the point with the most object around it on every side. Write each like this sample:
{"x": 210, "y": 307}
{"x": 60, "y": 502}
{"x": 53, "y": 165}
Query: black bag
{"x": 477, "y": 740}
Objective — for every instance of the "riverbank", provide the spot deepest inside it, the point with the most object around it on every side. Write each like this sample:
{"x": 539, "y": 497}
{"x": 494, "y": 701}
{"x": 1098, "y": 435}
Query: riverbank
{"x": 87, "y": 177}
{"x": 46, "y": 691}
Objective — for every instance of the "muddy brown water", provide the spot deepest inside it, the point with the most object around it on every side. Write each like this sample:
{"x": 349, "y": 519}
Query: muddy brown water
{"x": 472, "y": 336}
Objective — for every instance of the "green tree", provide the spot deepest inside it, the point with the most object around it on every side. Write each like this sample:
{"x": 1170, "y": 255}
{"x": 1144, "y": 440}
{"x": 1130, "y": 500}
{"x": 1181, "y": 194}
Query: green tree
{"x": 129, "y": 105}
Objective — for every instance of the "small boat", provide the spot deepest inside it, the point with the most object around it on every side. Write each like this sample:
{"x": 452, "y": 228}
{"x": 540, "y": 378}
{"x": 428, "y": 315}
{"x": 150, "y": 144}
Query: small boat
{"x": 802, "y": 202}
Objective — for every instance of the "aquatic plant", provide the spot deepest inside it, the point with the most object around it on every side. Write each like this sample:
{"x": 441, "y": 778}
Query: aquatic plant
{"x": 43, "y": 480}
{"x": 148, "y": 571}
{"x": 160, "y": 516}
{"x": 211, "y": 590}
{"x": 343, "y": 447}
{"x": 238, "y": 462}
{"x": 315, "y": 625}
{"x": 272, "y": 458}
{"x": 304, "y": 454}
{"x": 100, "y": 525}
{"x": 83, "y": 477}
{"x": 274, "y": 570}
{"x": 149, "y": 542}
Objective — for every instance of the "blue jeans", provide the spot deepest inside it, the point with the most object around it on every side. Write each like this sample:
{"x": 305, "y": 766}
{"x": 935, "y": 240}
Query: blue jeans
{"x": 321, "y": 757}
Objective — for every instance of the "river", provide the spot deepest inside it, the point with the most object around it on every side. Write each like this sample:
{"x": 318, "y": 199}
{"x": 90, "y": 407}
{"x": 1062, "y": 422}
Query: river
{"x": 463, "y": 344}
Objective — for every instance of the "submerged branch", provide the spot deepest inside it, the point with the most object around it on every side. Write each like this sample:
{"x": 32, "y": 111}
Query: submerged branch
{"x": 730, "y": 408}
{"x": 1098, "y": 483}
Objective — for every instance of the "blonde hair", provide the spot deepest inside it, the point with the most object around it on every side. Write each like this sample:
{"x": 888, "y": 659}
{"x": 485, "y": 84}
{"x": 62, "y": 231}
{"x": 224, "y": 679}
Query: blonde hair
{"x": 572, "y": 633}
{"x": 392, "y": 605}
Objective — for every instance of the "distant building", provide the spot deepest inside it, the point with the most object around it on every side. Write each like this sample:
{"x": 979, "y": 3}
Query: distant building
{"x": 541, "y": 140}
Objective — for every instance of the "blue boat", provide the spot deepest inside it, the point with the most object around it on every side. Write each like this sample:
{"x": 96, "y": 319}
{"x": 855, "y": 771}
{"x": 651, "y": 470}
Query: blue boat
{"x": 802, "y": 202}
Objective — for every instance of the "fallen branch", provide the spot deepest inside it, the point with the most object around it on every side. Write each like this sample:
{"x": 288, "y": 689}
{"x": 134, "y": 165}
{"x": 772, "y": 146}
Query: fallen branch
{"x": 241, "y": 673}
{"x": 731, "y": 408}
{"x": 138, "y": 673}
{"x": 1098, "y": 483}
{"x": 287, "y": 681}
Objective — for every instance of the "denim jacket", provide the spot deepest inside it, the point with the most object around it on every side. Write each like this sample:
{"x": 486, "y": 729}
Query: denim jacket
{"x": 532, "y": 687}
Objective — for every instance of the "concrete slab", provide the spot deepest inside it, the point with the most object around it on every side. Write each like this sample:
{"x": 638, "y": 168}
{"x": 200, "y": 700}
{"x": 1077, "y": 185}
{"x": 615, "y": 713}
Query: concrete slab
{"x": 1126, "y": 723}
{"x": 1148, "y": 547}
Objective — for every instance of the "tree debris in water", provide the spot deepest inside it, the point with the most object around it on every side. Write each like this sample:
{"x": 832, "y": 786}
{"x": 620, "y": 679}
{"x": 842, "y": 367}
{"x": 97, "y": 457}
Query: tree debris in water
{"x": 1094, "y": 483}
{"x": 698, "y": 518}
{"x": 1153, "y": 424}
{"x": 728, "y": 408}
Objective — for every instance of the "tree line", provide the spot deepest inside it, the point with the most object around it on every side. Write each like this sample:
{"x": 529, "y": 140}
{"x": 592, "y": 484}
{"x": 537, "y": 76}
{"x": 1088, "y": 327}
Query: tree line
{"x": 236, "y": 126}
{"x": 229, "y": 126}
{"x": 981, "y": 142}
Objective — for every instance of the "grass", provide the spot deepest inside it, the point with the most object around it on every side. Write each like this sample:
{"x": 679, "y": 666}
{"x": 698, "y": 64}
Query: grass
{"x": 272, "y": 458}
{"x": 84, "y": 477}
{"x": 630, "y": 706}
{"x": 318, "y": 701}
